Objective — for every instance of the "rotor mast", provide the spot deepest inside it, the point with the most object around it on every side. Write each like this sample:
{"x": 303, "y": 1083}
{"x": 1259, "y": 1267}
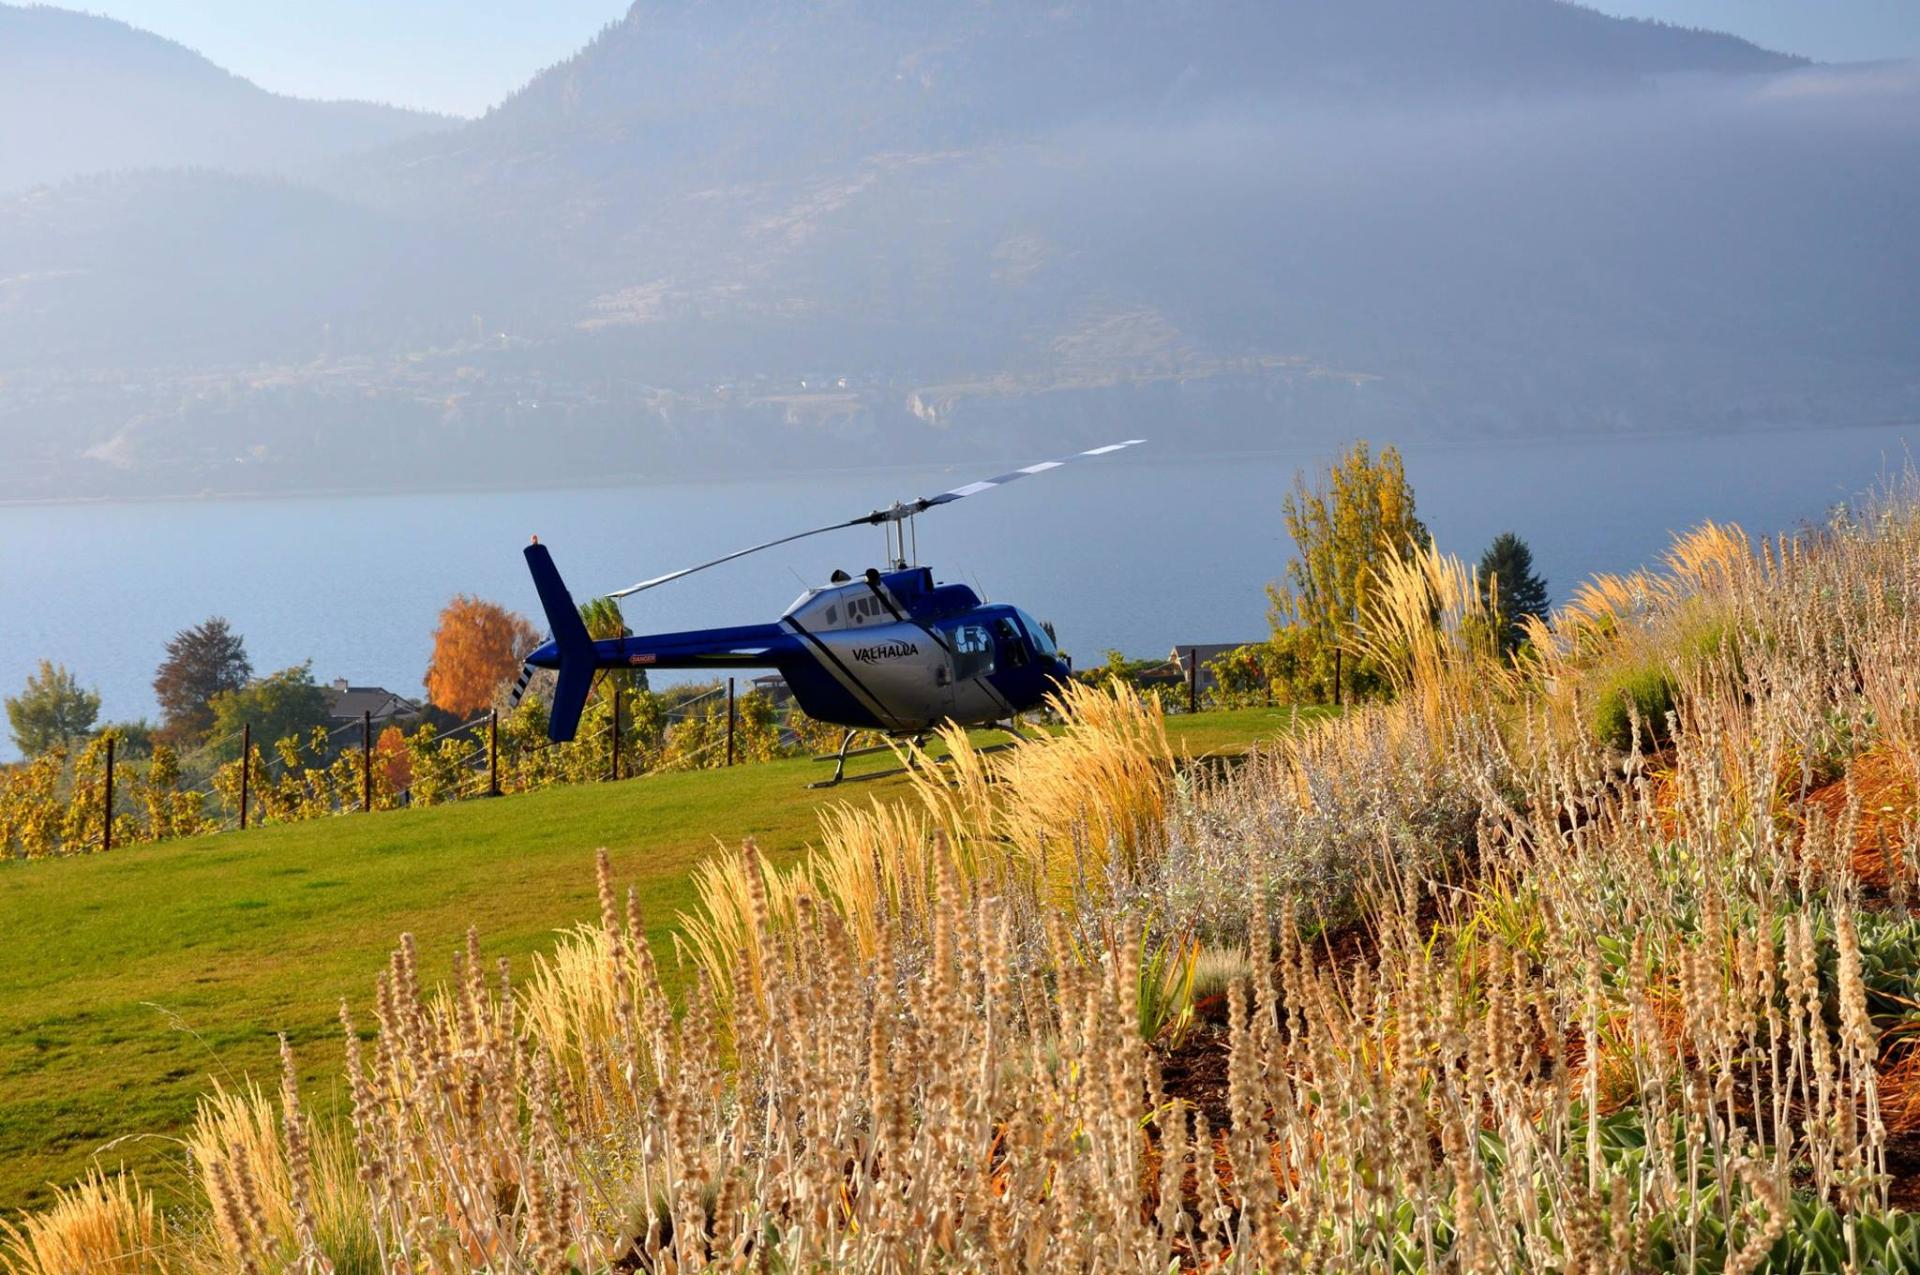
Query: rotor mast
{"x": 899, "y": 524}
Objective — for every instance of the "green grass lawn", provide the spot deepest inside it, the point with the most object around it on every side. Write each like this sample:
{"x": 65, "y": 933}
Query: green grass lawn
{"x": 129, "y": 981}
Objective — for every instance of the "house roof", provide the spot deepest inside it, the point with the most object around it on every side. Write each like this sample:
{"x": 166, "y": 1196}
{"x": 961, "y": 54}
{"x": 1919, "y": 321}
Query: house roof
{"x": 347, "y": 702}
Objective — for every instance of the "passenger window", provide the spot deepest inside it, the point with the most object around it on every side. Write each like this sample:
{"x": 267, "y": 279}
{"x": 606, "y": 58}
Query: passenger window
{"x": 972, "y": 650}
{"x": 1011, "y": 642}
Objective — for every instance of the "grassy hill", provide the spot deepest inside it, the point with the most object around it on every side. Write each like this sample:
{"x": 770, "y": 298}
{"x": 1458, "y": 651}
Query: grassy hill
{"x": 130, "y": 980}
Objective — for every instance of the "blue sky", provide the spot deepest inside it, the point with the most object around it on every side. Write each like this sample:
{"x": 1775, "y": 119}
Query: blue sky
{"x": 463, "y": 57}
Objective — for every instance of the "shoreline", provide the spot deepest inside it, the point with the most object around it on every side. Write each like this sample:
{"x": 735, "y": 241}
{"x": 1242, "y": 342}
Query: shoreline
{"x": 632, "y": 479}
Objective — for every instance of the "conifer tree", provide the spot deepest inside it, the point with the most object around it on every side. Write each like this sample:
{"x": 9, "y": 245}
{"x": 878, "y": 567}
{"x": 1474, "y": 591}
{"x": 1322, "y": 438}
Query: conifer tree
{"x": 1511, "y": 588}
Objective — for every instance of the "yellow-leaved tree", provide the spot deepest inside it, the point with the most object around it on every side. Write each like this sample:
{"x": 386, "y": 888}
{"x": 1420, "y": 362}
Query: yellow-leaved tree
{"x": 1343, "y": 530}
{"x": 478, "y": 645}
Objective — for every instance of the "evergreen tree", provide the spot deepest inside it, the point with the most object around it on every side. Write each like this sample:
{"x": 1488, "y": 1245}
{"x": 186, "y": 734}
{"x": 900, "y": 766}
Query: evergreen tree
{"x": 52, "y": 712}
{"x": 202, "y": 662}
{"x": 1512, "y": 590}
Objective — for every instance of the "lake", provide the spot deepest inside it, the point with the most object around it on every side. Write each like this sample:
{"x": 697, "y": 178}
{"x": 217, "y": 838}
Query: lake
{"x": 1138, "y": 552}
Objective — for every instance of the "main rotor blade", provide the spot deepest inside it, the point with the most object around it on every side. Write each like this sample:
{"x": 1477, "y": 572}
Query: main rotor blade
{"x": 974, "y": 489}
{"x": 671, "y": 576}
{"x": 894, "y": 514}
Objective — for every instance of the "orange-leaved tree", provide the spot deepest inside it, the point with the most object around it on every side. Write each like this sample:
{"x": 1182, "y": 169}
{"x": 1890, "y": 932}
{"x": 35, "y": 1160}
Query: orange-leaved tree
{"x": 478, "y": 645}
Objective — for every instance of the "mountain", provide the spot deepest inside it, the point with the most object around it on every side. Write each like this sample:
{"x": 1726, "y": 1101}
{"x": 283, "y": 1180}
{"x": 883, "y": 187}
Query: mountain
{"x": 86, "y": 94}
{"x": 683, "y": 93}
{"x": 787, "y": 233}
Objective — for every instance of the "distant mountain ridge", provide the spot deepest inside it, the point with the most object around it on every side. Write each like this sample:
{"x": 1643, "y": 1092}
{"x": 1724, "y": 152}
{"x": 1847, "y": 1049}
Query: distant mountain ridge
{"x": 776, "y": 82}
{"x": 85, "y": 94}
{"x": 778, "y": 233}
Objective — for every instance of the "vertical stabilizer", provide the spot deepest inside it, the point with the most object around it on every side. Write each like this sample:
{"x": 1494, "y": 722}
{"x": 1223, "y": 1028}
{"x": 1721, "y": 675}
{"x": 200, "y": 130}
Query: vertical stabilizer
{"x": 571, "y": 639}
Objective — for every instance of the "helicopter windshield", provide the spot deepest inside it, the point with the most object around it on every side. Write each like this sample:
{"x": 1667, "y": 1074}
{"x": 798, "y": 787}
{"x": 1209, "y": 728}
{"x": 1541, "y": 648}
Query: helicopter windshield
{"x": 1042, "y": 640}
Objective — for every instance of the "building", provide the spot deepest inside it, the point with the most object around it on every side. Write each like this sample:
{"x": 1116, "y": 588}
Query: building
{"x": 1181, "y": 658}
{"x": 774, "y": 687}
{"x": 349, "y": 703}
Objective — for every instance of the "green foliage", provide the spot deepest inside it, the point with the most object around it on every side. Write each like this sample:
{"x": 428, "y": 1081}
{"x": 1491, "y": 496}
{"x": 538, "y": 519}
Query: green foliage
{"x": 206, "y": 660}
{"x": 1241, "y": 677}
{"x": 53, "y": 711}
{"x": 1647, "y": 681}
{"x": 1300, "y": 660}
{"x": 282, "y": 704}
{"x": 603, "y": 620}
{"x": 442, "y": 768}
{"x": 132, "y": 740}
{"x": 1161, "y": 679}
{"x": 1165, "y": 998}
{"x": 82, "y": 824}
{"x": 169, "y": 811}
{"x": 1642, "y": 690}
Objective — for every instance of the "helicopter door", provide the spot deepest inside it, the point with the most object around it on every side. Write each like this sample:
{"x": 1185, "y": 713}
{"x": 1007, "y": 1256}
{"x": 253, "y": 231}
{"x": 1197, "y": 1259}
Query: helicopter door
{"x": 973, "y": 651}
{"x": 1014, "y": 650}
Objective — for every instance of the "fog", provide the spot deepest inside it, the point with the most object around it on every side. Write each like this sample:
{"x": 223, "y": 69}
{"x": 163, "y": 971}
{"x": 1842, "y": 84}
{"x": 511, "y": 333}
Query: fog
{"x": 1618, "y": 229}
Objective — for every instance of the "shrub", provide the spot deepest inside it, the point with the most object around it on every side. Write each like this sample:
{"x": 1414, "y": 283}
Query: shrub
{"x": 1642, "y": 692}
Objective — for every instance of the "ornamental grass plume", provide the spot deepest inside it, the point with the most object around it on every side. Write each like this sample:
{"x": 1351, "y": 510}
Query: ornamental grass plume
{"x": 1065, "y": 809}
{"x": 99, "y": 1226}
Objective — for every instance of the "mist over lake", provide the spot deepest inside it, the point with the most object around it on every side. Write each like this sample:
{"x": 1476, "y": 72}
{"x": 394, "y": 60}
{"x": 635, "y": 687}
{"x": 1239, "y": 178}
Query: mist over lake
{"x": 1137, "y": 553}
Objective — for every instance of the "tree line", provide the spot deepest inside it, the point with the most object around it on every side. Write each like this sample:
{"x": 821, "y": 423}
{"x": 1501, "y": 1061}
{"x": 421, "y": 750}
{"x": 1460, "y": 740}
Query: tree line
{"x": 184, "y": 775}
{"x": 186, "y": 772}
{"x": 1345, "y": 528}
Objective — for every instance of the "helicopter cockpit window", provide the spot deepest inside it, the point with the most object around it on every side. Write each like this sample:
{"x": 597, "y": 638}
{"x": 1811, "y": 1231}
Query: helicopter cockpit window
{"x": 972, "y": 651}
{"x": 1042, "y": 640}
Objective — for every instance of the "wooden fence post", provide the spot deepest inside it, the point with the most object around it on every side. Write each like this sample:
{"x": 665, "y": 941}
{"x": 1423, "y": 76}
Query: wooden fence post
{"x": 1193, "y": 679}
{"x": 246, "y": 769}
{"x": 106, "y": 822}
{"x": 366, "y": 759}
{"x": 729, "y": 721}
{"x": 493, "y": 752}
{"x": 1336, "y": 676}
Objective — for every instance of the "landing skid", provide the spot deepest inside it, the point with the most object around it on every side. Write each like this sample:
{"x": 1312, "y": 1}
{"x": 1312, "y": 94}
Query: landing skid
{"x": 839, "y": 759}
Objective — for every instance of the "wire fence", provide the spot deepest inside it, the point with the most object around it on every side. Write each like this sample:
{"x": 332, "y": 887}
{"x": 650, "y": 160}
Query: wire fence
{"x": 43, "y": 811}
{"x": 99, "y": 799}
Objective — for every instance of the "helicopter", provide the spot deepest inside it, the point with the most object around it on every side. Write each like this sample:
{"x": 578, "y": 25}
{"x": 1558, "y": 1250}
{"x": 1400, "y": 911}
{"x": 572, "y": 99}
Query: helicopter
{"x": 891, "y": 651}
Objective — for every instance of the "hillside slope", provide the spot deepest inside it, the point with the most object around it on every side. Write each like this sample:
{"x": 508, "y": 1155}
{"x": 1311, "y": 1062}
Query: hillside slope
{"x": 86, "y": 94}
{"x": 760, "y": 235}
{"x": 128, "y": 980}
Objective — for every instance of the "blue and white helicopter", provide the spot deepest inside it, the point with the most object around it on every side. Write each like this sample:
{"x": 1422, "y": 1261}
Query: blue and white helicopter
{"x": 891, "y": 651}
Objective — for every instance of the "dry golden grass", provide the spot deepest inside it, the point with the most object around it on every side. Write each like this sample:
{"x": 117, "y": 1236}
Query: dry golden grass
{"x": 1048, "y": 821}
{"x": 102, "y": 1226}
{"x": 1631, "y": 1014}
